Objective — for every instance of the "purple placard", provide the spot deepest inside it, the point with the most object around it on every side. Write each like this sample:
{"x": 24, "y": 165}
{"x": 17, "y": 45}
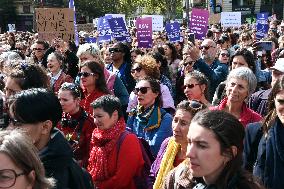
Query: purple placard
{"x": 104, "y": 29}
{"x": 118, "y": 29}
{"x": 199, "y": 22}
{"x": 144, "y": 32}
{"x": 262, "y": 25}
{"x": 91, "y": 40}
{"x": 173, "y": 31}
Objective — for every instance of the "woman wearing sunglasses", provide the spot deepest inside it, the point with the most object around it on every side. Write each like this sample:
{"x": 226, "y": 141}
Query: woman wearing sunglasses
{"x": 146, "y": 66}
{"x": 148, "y": 120}
{"x": 76, "y": 124}
{"x": 173, "y": 149}
{"x": 224, "y": 56}
{"x": 214, "y": 152}
{"x": 240, "y": 84}
{"x": 55, "y": 65}
{"x": 196, "y": 87}
{"x": 92, "y": 81}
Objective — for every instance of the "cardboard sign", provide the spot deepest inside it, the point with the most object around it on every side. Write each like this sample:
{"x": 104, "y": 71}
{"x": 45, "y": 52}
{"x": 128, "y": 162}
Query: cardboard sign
{"x": 199, "y": 22}
{"x": 144, "y": 32}
{"x": 157, "y": 22}
{"x": 231, "y": 19}
{"x": 214, "y": 18}
{"x": 262, "y": 26}
{"x": 55, "y": 23}
{"x": 173, "y": 31}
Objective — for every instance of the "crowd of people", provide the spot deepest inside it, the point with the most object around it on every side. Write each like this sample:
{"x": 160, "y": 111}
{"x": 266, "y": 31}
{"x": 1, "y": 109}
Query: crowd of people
{"x": 186, "y": 114}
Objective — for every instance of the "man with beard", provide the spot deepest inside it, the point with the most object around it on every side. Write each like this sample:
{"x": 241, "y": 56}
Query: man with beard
{"x": 206, "y": 62}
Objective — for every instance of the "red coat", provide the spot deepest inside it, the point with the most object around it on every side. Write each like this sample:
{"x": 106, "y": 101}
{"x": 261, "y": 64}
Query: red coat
{"x": 82, "y": 149}
{"x": 61, "y": 79}
{"x": 124, "y": 167}
{"x": 89, "y": 98}
{"x": 247, "y": 115}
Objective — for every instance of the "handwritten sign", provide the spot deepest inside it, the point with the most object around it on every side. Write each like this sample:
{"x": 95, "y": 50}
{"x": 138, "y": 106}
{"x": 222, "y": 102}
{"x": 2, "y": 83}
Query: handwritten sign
{"x": 157, "y": 22}
{"x": 231, "y": 19}
{"x": 144, "y": 32}
{"x": 173, "y": 31}
{"x": 199, "y": 22}
{"x": 55, "y": 23}
{"x": 262, "y": 26}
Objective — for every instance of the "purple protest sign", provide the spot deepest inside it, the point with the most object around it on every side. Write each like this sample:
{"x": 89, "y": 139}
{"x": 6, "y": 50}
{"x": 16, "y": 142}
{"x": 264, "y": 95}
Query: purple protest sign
{"x": 104, "y": 29}
{"x": 144, "y": 32}
{"x": 262, "y": 25}
{"x": 118, "y": 29}
{"x": 173, "y": 31}
{"x": 199, "y": 22}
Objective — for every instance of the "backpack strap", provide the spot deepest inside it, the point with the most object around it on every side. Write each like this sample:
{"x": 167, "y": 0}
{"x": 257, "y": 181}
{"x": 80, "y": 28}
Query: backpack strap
{"x": 120, "y": 140}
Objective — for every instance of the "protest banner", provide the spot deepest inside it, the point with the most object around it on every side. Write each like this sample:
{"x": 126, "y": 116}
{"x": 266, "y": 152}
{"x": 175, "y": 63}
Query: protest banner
{"x": 173, "y": 31}
{"x": 54, "y": 23}
{"x": 12, "y": 27}
{"x": 157, "y": 22}
{"x": 117, "y": 16}
{"x": 85, "y": 27}
{"x": 144, "y": 32}
{"x": 118, "y": 29}
{"x": 198, "y": 23}
{"x": 262, "y": 26}
{"x": 104, "y": 29}
{"x": 214, "y": 18}
{"x": 91, "y": 40}
{"x": 231, "y": 19}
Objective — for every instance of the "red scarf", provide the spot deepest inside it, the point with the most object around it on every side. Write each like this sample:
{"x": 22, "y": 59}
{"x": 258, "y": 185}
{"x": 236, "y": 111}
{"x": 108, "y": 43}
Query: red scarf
{"x": 102, "y": 143}
{"x": 89, "y": 98}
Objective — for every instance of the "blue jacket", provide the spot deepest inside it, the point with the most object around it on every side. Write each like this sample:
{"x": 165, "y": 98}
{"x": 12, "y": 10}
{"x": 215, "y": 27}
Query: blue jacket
{"x": 216, "y": 73}
{"x": 269, "y": 159}
{"x": 259, "y": 101}
{"x": 154, "y": 137}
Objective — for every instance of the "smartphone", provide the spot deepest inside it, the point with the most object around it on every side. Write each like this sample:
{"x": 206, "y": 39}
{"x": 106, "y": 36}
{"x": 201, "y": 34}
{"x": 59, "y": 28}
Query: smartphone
{"x": 191, "y": 38}
{"x": 264, "y": 45}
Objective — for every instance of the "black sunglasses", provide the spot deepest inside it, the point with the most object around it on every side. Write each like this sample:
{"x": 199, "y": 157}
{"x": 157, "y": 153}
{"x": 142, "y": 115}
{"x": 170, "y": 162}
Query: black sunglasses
{"x": 138, "y": 69}
{"x": 143, "y": 90}
{"x": 85, "y": 74}
{"x": 195, "y": 104}
{"x": 225, "y": 54}
{"x": 190, "y": 86}
{"x": 188, "y": 63}
{"x": 205, "y": 47}
{"x": 113, "y": 50}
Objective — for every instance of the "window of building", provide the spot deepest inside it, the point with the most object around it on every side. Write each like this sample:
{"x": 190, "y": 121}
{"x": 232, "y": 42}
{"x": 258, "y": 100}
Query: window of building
{"x": 26, "y": 9}
{"x": 243, "y": 2}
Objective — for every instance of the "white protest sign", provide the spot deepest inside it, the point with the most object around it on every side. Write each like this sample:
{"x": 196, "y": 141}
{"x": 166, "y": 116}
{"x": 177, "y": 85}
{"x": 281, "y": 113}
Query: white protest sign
{"x": 157, "y": 22}
{"x": 231, "y": 19}
{"x": 12, "y": 27}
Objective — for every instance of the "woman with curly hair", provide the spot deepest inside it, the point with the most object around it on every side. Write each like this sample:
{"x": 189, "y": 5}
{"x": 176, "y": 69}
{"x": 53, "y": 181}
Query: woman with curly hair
{"x": 146, "y": 66}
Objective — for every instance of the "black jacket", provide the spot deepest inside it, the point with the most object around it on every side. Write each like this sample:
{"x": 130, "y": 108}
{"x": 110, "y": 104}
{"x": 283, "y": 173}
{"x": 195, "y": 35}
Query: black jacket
{"x": 57, "y": 158}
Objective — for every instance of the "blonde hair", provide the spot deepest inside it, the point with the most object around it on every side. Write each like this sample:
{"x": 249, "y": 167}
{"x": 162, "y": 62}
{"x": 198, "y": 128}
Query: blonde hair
{"x": 149, "y": 65}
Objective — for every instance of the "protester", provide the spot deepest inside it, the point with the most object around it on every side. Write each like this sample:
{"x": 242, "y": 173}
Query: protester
{"x": 93, "y": 83}
{"x": 76, "y": 124}
{"x": 240, "y": 84}
{"x": 148, "y": 120}
{"x": 38, "y": 111}
{"x": 173, "y": 149}
{"x": 56, "y": 74}
{"x": 214, "y": 151}
{"x": 110, "y": 167}
{"x": 20, "y": 166}
{"x": 39, "y": 55}
{"x": 264, "y": 141}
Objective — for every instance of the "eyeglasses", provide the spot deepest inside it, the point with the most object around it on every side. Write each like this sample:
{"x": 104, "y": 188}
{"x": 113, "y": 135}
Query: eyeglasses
{"x": 188, "y": 63}
{"x": 37, "y": 49}
{"x": 205, "y": 47}
{"x": 245, "y": 39}
{"x": 8, "y": 177}
{"x": 113, "y": 50}
{"x": 138, "y": 69}
{"x": 225, "y": 54}
{"x": 143, "y": 90}
{"x": 85, "y": 74}
{"x": 190, "y": 86}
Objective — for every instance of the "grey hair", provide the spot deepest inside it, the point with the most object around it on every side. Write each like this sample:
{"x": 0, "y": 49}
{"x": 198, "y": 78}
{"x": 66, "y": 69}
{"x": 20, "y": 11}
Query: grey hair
{"x": 88, "y": 48}
{"x": 20, "y": 149}
{"x": 246, "y": 74}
